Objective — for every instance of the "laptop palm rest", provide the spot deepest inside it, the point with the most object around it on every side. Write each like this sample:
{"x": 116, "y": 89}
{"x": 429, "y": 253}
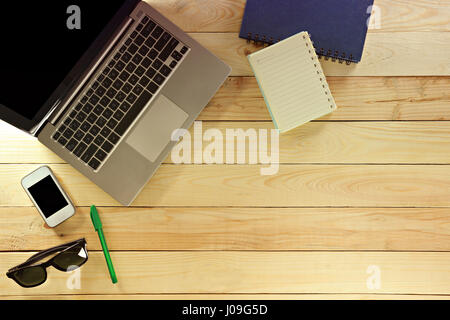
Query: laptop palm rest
{"x": 154, "y": 130}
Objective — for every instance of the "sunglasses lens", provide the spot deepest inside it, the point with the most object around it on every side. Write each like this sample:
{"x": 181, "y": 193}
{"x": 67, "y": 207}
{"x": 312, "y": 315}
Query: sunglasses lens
{"x": 71, "y": 259}
{"x": 30, "y": 277}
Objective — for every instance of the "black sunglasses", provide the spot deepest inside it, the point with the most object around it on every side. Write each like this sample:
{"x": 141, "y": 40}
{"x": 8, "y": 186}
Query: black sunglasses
{"x": 72, "y": 255}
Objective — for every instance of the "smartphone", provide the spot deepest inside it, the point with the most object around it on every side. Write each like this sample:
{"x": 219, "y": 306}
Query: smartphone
{"x": 52, "y": 202}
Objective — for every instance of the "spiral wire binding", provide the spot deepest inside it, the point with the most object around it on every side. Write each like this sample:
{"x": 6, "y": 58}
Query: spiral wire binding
{"x": 319, "y": 73}
{"x": 336, "y": 56}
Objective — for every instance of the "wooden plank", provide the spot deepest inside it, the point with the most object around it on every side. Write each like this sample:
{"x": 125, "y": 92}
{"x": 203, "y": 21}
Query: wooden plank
{"x": 282, "y": 229}
{"x": 243, "y": 185}
{"x": 226, "y": 15}
{"x": 247, "y": 272}
{"x": 385, "y": 54}
{"x": 317, "y": 142}
{"x": 322, "y": 296}
{"x": 358, "y": 98}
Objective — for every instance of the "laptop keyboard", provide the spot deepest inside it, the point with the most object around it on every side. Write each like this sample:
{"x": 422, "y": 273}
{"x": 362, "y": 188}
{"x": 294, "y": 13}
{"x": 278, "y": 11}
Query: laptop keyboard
{"x": 134, "y": 74}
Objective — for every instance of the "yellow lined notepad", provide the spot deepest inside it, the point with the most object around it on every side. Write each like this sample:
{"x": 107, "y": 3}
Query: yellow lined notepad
{"x": 291, "y": 79}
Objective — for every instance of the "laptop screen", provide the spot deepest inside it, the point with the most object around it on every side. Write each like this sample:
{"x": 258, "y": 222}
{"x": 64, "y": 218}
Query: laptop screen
{"x": 41, "y": 41}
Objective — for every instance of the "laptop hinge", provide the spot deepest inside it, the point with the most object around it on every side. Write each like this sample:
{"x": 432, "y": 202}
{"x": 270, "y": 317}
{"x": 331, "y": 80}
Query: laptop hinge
{"x": 61, "y": 106}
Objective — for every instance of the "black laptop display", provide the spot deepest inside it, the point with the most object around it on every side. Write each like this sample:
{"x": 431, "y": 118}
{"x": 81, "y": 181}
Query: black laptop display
{"x": 41, "y": 41}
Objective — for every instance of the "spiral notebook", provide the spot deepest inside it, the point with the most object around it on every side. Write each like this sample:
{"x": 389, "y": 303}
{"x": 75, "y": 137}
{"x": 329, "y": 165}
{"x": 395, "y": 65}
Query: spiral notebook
{"x": 292, "y": 82}
{"x": 338, "y": 28}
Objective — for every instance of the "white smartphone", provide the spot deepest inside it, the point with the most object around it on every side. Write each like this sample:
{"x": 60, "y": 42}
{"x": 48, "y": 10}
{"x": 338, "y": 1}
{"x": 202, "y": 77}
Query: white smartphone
{"x": 52, "y": 202}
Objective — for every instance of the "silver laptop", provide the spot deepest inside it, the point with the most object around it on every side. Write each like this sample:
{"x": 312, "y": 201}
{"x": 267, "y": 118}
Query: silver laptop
{"x": 109, "y": 110}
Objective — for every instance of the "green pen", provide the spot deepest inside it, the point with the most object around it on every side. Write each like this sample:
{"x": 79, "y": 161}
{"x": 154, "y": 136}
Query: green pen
{"x": 99, "y": 228}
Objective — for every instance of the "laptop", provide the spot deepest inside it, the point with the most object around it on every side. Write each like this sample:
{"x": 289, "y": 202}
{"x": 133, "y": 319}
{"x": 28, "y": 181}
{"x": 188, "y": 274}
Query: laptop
{"x": 103, "y": 84}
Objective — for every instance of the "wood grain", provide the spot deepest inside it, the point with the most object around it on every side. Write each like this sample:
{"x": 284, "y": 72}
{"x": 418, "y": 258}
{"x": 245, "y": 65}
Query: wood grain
{"x": 358, "y": 98}
{"x": 247, "y": 272}
{"x": 243, "y": 185}
{"x": 316, "y": 142}
{"x": 321, "y": 296}
{"x": 226, "y": 15}
{"x": 385, "y": 54}
{"x": 282, "y": 229}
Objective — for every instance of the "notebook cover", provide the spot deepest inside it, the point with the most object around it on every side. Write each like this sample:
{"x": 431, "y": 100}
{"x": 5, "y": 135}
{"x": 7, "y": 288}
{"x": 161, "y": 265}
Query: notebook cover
{"x": 338, "y": 28}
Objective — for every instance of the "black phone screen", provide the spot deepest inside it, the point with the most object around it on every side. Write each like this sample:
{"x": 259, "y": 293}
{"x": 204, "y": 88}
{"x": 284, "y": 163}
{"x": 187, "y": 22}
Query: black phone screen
{"x": 48, "y": 196}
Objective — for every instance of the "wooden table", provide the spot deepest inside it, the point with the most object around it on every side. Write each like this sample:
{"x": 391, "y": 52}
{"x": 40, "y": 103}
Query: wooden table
{"x": 360, "y": 193}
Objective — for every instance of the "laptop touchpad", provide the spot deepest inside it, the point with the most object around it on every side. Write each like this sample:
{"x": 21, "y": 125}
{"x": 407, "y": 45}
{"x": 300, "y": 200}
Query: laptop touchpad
{"x": 154, "y": 130}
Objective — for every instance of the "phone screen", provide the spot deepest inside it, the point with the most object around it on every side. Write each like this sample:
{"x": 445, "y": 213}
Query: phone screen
{"x": 48, "y": 196}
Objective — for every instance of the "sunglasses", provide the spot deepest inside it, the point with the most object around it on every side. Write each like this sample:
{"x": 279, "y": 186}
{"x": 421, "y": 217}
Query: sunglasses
{"x": 69, "y": 257}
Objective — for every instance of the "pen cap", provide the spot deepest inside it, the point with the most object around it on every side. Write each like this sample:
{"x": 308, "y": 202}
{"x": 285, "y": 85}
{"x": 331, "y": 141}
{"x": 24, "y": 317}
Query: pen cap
{"x": 95, "y": 218}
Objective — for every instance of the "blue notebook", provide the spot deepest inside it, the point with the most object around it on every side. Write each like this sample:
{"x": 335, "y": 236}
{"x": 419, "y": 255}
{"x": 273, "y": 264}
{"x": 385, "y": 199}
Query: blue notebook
{"x": 338, "y": 28}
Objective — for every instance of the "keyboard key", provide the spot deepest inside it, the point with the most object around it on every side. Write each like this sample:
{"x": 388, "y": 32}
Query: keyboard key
{"x": 165, "y": 71}
{"x": 92, "y": 118}
{"x": 146, "y": 63}
{"x": 124, "y": 76}
{"x": 150, "y": 42}
{"x": 145, "y": 20}
{"x": 118, "y": 84}
{"x": 111, "y": 64}
{"x": 62, "y": 129}
{"x": 117, "y": 56}
{"x": 128, "y": 42}
{"x": 131, "y": 98}
{"x": 127, "y": 88}
{"x": 74, "y": 125}
{"x": 73, "y": 114}
{"x": 89, "y": 153}
{"x": 123, "y": 49}
{"x": 138, "y": 90}
{"x": 133, "y": 35}
{"x": 107, "y": 113}
{"x": 107, "y": 82}
{"x": 126, "y": 57}
{"x": 105, "y": 132}
{"x": 101, "y": 122}
{"x": 80, "y": 149}
{"x": 94, "y": 100}
{"x": 71, "y": 145}
{"x": 139, "y": 40}
{"x": 184, "y": 50}
{"x": 67, "y": 121}
{"x": 125, "y": 107}
{"x": 150, "y": 73}
{"x": 98, "y": 110}
{"x": 140, "y": 71}
{"x": 159, "y": 79}
{"x": 85, "y": 126}
{"x": 94, "y": 130}
{"x": 88, "y": 139}
{"x": 133, "y": 113}
{"x": 157, "y": 32}
{"x": 148, "y": 28}
{"x": 144, "y": 81}
{"x": 176, "y": 55}
{"x": 105, "y": 101}
{"x": 56, "y": 136}
{"x": 139, "y": 27}
{"x": 137, "y": 59}
{"x": 131, "y": 67}
{"x": 133, "y": 48}
{"x": 133, "y": 79}
{"x": 79, "y": 106}
{"x": 113, "y": 138}
{"x": 114, "y": 105}
{"x": 94, "y": 164}
{"x": 162, "y": 41}
{"x": 120, "y": 65}
{"x": 106, "y": 71}
{"x": 120, "y": 96}
{"x": 111, "y": 93}
{"x": 173, "y": 64}
{"x": 152, "y": 87}
{"x": 118, "y": 115}
{"x": 153, "y": 54}
{"x": 62, "y": 141}
{"x": 68, "y": 133}
{"x": 114, "y": 74}
{"x": 99, "y": 141}
{"x": 144, "y": 50}
{"x": 157, "y": 64}
{"x": 100, "y": 91}
{"x": 107, "y": 147}
{"x": 112, "y": 123}
{"x": 87, "y": 108}
{"x": 79, "y": 135}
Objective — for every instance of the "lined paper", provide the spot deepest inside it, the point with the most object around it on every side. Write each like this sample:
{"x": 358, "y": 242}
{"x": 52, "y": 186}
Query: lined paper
{"x": 292, "y": 81}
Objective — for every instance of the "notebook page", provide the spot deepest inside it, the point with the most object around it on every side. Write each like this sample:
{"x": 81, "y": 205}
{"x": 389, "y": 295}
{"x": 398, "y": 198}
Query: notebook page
{"x": 292, "y": 81}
